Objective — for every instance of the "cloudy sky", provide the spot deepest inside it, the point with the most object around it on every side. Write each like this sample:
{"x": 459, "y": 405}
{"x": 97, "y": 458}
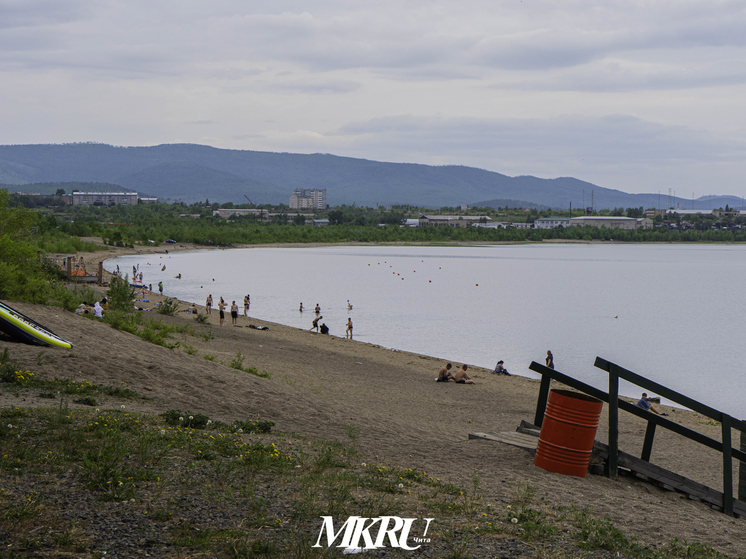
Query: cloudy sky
{"x": 639, "y": 96}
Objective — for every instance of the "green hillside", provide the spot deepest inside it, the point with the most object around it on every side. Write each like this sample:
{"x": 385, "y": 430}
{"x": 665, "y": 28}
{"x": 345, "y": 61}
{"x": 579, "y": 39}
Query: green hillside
{"x": 191, "y": 173}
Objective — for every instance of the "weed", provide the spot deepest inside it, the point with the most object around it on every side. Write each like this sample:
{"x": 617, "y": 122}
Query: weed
{"x": 210, "y": 357}
{"x": 252, "y": 426}
{"x": 254, "y": 371}
{"x": 201, "y": 318}
{"x": 188, "y": 420}
{"x": 524, "y": 494}
{"x": 189, "y": 349}
{"x": 86, "y": 401}
{"x": 352, "y": 432}
{"x": 207, "y": 336}
{"x": 237, "y": 362}
{"x": 168, "y": 307}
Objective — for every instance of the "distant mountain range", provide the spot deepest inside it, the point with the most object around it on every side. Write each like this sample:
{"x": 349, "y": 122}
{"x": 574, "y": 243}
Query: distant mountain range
{"x": 192, "y": 173}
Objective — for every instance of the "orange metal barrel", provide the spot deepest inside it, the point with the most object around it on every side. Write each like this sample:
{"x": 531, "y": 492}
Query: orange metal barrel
{"x": 567, "y": 433}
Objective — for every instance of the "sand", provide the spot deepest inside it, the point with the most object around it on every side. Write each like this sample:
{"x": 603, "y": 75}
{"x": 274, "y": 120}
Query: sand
{"x": 322, "y": 385}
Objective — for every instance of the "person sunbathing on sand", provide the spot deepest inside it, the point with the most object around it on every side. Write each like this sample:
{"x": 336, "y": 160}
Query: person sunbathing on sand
{"x": 461, "y": 376}
{"x": 444, "y": 375}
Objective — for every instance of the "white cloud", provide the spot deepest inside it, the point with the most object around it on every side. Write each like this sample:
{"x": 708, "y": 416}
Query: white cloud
{"x": 486, "y": 83}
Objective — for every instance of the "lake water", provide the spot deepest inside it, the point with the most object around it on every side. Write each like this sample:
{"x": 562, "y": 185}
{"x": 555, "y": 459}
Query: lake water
{"x": 672, "y": 313}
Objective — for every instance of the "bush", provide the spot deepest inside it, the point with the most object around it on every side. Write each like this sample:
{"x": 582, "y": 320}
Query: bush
{"x": 168, "y": 307}
{"x": 8, "y": 367}
{"x": 189, "y": 420}
{"x": 121, "y": 320}
{"x": 70, "y": 298}
{"x": 121, "y": 294}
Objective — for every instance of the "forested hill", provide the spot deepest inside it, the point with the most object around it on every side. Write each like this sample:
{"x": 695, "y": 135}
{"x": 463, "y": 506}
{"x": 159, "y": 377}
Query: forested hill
{"x": 191, "y": 173}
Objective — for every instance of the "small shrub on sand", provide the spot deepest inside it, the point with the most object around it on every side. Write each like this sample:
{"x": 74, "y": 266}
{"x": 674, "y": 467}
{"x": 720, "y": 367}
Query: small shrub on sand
{"x": 168, "y": 307}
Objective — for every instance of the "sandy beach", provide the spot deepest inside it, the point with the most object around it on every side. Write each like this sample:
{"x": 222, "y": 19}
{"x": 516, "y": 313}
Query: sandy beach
{"x": 321, "y": 385}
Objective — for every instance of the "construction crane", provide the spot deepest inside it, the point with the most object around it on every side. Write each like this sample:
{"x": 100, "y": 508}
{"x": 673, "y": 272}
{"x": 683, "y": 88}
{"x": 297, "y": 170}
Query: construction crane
{"x": 261, "y": 211}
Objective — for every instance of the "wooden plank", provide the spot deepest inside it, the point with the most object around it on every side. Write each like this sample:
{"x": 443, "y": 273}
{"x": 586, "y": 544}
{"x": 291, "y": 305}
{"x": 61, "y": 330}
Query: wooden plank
{"x": 528, "y": 428}
{"x": 613, "y": 423}
{"x": 526, "y": 442}
{"x": 666, "y": 477}
{"x": 666, "y": 392}
{"x": 727, "y": 467}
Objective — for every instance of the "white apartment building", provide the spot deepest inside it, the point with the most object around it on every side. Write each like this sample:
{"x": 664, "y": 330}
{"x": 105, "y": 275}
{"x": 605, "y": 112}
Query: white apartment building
{"x": 100, "y": 198}
{"x": 551, "y": 222}
{"x": 308, "y": 199}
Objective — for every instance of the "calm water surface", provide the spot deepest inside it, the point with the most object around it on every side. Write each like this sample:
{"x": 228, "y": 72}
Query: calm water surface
{"x": 673, "y": 313}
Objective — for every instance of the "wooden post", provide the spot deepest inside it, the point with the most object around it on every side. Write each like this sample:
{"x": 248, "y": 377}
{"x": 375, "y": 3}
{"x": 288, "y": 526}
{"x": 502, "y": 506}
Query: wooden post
{"x": 101, "y": 272}
{"x": 541, "y": 403}
{"x": 742, "y": 471}
{"x": 69, "y": 267}
{"x": 613, "y": 462}
{"x": 727, "y": 467}
{"x": 647, "y": 446}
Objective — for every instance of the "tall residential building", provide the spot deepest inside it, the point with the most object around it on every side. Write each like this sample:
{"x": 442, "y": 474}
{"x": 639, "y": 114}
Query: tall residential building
{"x": 308, "y": 199}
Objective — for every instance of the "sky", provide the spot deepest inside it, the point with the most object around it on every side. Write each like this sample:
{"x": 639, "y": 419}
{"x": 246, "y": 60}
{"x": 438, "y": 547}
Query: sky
{"x": 638, "y": 96}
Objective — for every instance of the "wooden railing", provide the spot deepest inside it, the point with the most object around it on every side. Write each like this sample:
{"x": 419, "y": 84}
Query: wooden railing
{"x": 611, "y": 397}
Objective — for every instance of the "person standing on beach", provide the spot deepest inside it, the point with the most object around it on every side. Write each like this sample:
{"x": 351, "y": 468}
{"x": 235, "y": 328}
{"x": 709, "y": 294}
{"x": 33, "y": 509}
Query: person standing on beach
{"x": 160, "y": 287}
{"x": 221, "y": 308}
{"x": 316, "y": 323}
{"x": 444, "y": 375}
{"x": 348, "y": 332}
{"x": 234, "y": 313}
{"x": 550, "y": 360}
{"x": 246, "y": 306}
{"x": 462, "y": 377}
{"x": 208, "y": 303}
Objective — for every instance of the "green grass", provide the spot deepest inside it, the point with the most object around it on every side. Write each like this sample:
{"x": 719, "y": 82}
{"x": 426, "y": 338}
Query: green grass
{"x": 266, "y": 490}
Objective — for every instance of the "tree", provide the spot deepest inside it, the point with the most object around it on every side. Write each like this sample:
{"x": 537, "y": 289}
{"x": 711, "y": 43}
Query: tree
{"x": 60, "y": 192}
{"x": 120, "y": 294}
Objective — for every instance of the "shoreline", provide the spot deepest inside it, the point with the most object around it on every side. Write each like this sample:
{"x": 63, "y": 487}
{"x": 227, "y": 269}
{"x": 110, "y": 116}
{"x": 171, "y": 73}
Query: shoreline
{"x": 113, "y": 252}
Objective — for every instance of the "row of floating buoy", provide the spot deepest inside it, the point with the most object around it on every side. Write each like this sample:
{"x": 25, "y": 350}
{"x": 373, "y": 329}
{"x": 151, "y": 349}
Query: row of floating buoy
{"x": 413, "y": 271}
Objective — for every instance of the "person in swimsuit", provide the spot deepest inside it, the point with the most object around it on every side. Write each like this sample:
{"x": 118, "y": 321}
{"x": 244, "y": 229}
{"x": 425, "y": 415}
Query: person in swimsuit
{"x": 317, "y": 310}
{"x": 301, "y": 307}
{"x": 348, "y": 333}
{"x": 246, "y": 306}
{"x": 444, "y": 375}
{"x": 349, "y": 305}
{"x": 316, "y": 323}
{"x": 461, "y": 377}
{"x": 234, "y": 313}
{"x": 221, "y": 307}
{"x": 208, "y": 303}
